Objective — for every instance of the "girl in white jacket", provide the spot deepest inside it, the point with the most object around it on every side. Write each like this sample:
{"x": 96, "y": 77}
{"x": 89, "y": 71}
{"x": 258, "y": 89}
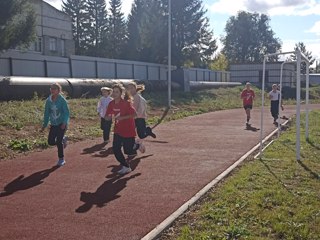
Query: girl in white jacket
{"x": 101, "y": 109}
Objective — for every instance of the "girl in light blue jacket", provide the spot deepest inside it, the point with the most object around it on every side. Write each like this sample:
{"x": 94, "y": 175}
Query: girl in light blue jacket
{"x": 57, "y": 113}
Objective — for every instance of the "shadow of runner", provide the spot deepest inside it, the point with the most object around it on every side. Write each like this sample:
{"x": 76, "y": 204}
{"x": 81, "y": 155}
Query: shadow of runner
{"x": 104, "y": 194}
{"x": 94, "y": 148}
{"x": 24, "y": 183}
{"x": 253, "y": 129}
{"x": 104, "y": 153}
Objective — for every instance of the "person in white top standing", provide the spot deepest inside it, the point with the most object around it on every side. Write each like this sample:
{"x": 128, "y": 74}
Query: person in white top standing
{"x": 102, "y": 108}
{"x": 274, "y": 96}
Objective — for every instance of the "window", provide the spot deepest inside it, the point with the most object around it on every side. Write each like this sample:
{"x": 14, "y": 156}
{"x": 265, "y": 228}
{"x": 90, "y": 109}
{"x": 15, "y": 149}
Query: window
{"x": 53, "y": 44}
{"x": 38, "y": 45}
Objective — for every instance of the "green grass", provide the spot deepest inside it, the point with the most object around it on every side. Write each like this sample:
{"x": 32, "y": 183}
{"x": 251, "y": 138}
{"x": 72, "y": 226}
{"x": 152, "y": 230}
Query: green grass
{"x": 22, "y": 119}
{"x": 272, "y": 198}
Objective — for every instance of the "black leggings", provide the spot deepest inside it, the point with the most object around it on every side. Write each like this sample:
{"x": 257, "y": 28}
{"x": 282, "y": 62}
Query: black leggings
{"x": 106, "y": 126}
{"x": 142, "y": 130}
{"x": 275, "y": 109}
{"x": 127, "y": 144}
{"x": 55, "y": 137}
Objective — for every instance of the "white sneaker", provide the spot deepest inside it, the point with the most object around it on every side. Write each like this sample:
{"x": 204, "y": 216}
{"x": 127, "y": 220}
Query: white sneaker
{"x": 124, "y": 170}
{"x": 65, "y": 141}
{"x": 61, "y": 162}
{"x": 142, "y": 148}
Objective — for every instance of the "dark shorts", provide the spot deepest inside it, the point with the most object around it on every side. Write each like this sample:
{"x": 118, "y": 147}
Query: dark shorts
{"x": 247, "y": 107}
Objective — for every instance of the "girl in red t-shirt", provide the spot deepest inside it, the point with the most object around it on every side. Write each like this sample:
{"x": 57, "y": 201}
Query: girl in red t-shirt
{"x": 121, "y": 109}
{"x": 248, "y": 96}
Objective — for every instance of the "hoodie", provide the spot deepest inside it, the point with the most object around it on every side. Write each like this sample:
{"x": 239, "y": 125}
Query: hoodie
{"x": 57, "y": 112}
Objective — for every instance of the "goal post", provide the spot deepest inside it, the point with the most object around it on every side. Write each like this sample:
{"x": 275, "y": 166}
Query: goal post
{"x": 300, "y": 58}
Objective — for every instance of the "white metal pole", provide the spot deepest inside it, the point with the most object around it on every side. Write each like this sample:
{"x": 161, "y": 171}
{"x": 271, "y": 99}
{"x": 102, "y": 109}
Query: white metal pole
{"x": 169, "y": 53}
{"x": 280, "y": 97}
{"x": 262, "y": 104}
{"x": 298, "y": 53}
{"x": 307, "y": 99}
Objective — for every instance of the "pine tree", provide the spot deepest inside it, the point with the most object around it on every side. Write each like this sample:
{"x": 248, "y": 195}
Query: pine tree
{"x": 153, "y": 32}
{"x": 96, "y": 27}
{"x": 116, "y": 35}
{"x": 302, "y": 47}
{"x": 192, "y": 40}
{"x": 76, "y": 10}
{"x": 16, "y": 29}
{"x": 133, "y": 48}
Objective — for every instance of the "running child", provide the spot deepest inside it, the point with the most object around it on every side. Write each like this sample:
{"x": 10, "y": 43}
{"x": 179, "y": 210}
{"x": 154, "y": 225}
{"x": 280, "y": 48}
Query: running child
{"x": 57, "y": 113}
{"x": 274, "y": 96}
{"x": 140, "y": 105}
{"x": 103, "y": 103}
{"x": 121, "y": 109}
{"x": 248, "y": 96}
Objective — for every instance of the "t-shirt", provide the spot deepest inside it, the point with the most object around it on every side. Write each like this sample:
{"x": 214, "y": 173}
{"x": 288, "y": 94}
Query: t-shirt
{"x": 274, "y": 96}
{"x": 125, "y": 128}
{"x": 247, "y": 96}
{"x": 140, "y": 105}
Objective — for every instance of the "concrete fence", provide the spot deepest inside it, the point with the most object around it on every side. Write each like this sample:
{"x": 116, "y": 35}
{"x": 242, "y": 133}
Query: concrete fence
{"x": 14, "y": 63}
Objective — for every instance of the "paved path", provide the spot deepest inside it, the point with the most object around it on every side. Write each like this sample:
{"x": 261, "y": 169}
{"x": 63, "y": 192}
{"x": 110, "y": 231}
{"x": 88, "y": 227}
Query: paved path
{"x": 86, "y": 200}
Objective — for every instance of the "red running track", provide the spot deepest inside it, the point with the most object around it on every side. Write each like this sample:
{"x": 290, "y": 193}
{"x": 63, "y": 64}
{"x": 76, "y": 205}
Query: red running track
{"x": 86, "y": 200}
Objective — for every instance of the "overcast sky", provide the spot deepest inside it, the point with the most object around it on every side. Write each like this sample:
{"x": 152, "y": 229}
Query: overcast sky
{"x": 291, "y": 20}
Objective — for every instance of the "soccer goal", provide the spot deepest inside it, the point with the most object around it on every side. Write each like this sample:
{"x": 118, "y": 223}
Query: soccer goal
{"x": 300, "y": 59}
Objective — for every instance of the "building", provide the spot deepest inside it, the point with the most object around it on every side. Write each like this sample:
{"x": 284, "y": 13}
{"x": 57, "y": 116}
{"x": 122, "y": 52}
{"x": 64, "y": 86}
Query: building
{"x": 53, "y": 30}
{"x": 253, "y": 73}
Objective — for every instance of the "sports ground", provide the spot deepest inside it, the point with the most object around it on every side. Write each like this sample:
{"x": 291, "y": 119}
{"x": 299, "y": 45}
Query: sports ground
{"x": 85, "y": 199}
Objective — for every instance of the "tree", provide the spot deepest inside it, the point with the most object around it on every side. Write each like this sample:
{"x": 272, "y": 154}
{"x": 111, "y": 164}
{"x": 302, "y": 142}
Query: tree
{"x": 249, "y": 37}
{"x": 153, "y": 32}
{"x": 116, "y": 35}
{"x": 133, "y": 48}
{"x": 95, "y": 27}
{"x": 76, "y": 10}
{"x": 302, "y": 47}
{"x": 192, "y": 40}
{"x": 16, "y": 29}
{"x": 219, "y": 63}
{"x": 191, "y": 37}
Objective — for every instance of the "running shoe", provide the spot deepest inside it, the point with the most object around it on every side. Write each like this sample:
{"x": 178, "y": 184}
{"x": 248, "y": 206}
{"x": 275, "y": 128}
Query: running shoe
{"x": 61, "y": 162}
{"x": 124, "y": 170}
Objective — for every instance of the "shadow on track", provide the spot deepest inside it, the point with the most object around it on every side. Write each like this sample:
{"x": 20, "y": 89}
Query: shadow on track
{"x": 94, "y": 148}
{"x": 110, "y": 189}
{"x": 251, "y": 128}
{"x": 23, "y": 183}
{"x": 104, "y": 194}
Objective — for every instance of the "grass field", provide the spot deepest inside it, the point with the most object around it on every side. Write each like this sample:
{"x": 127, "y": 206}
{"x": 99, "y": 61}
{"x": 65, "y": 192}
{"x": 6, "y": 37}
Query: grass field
{"x": 272, "y": 198}
{"x": 20, "y": 121}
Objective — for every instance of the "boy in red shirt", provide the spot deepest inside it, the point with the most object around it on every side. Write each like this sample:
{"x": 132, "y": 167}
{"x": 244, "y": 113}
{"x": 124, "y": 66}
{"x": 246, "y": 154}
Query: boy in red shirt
{"x": 248, "y": 96}
{"x": 124, "y": 129}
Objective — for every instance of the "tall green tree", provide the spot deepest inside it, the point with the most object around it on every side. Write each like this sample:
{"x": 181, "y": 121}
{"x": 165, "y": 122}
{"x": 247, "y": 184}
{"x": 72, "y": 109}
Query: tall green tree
{"x": 116, "y": 35}
{"x": 95, "y": 27}
{"x": 191, "y": 37}
{"x": 76, "y": 9}
{"x": 134, "y": 48}
{"x": 249, "y": 37}
{"x": 302, "y": 47}
{"x": 153, "y": 32}
{"x": 16, "y": 29}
